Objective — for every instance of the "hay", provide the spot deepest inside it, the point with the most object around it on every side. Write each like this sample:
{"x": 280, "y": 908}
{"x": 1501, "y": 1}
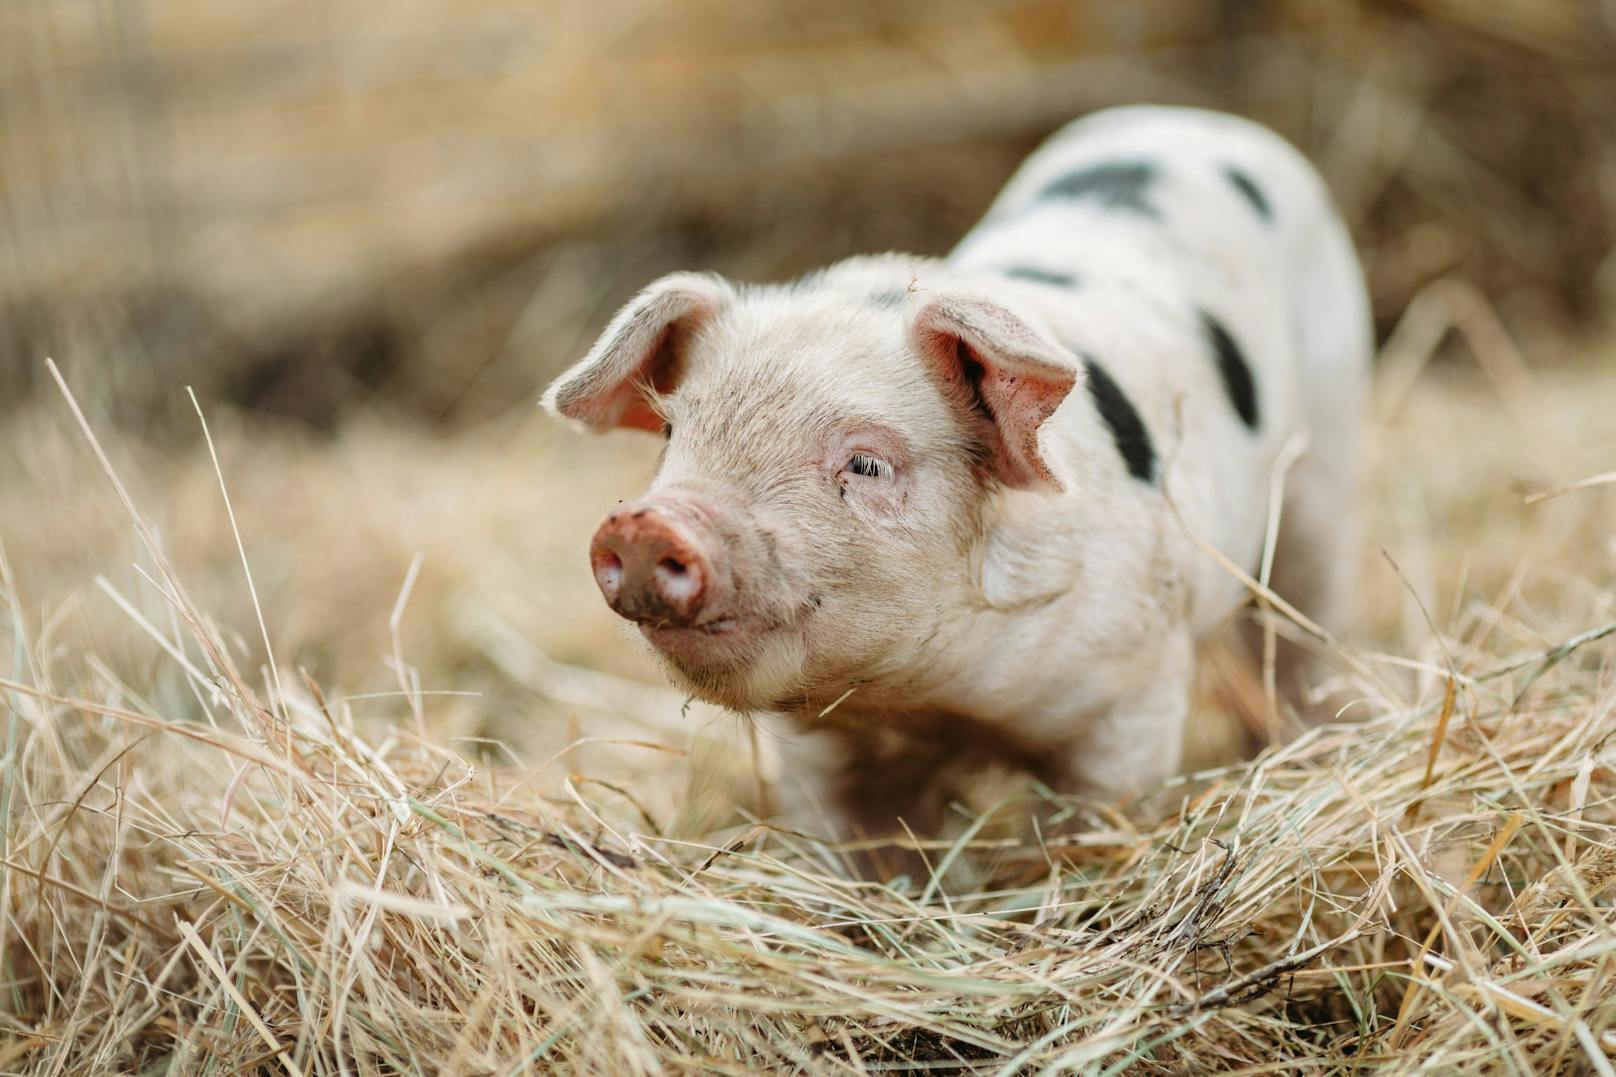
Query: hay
{"x": 457, "y": 825}
{"x": 211, "y": 868}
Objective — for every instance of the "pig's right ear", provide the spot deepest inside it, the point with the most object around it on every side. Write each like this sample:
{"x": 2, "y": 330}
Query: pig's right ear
{"x": 1004, "y": 377}
{"x": 640, "y": 355}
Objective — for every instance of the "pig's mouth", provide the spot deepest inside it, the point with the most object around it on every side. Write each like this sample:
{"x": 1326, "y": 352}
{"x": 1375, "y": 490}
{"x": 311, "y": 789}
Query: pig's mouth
{"x": 664, "y": 634}
{"x": 717, "y": 627}
{"x": 739, "y": 661}
{"x": 732, "y": 632}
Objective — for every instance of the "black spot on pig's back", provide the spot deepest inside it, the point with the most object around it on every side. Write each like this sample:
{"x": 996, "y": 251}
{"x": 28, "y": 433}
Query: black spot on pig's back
{"x": 1127, "y": 428}
{"x": 1249, "y": 190}
{"x": 1238, "y": 381}
{"x": 1121, "y": 185}
{"x": 1041, "y": 276}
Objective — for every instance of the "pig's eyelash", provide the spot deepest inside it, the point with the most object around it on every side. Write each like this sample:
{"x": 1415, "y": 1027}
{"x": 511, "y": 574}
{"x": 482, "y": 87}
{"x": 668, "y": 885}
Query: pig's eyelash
{"x": 871, "y": 467}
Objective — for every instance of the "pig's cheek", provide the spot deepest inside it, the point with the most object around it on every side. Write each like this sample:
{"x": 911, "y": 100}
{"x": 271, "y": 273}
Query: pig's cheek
{"x": 882, "y": 504}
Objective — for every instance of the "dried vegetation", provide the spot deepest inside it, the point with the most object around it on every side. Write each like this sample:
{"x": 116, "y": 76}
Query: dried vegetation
{"x": 351, "y": 772}
{"x": 212, "y": 865}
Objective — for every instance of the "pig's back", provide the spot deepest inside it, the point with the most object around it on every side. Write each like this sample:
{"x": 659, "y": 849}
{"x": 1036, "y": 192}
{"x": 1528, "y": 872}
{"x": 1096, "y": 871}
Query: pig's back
{"x": 1196, "y": 259}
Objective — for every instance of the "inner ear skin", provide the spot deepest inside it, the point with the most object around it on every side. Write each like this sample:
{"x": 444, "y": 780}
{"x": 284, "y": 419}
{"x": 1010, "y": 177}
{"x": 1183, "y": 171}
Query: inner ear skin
{"x": 667, "y": 368}
{"x": 1003, "y": 377}
{"x": 973, "y": 372}
{"x": 1011, "y": 406}
{"x": 1028, "y": 406}
{"x": 601, "y": 396}
{"x": 663, "y": 371}
{"x": 617, "y": 384}
{"x": 984, "y": 424}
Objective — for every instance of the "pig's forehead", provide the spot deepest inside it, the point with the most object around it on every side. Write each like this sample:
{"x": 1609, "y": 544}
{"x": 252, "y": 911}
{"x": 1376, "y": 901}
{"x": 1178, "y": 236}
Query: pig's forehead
{"x": 813, "y": 359}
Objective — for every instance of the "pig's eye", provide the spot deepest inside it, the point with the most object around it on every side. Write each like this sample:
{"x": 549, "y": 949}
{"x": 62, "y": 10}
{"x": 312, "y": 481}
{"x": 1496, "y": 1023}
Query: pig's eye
{"x": 871, "y": 467}
{"x": 667, "y": 431}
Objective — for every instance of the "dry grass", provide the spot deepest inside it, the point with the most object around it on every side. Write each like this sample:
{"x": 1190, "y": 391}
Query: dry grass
{"x": 215, "y": 865}
{"x": 413, "y": 802}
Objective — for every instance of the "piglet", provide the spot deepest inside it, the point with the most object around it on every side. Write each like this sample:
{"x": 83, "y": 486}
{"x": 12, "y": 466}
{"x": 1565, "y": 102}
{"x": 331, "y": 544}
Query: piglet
{"x": 928, "y": 514}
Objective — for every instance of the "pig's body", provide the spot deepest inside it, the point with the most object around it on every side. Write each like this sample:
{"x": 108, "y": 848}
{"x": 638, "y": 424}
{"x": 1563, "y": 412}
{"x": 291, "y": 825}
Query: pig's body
{"x": 1223, "y": 226}
{"x": 1105, "y": 375}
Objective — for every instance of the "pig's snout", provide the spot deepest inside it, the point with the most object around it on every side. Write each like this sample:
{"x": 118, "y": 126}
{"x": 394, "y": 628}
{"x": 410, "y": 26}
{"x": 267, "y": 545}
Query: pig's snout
{"x": 651, "y": 567}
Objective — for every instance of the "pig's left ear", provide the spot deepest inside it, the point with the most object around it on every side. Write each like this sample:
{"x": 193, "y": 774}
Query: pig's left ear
{"x": 1002, "y": 374}
{"x": 640, "y": 355}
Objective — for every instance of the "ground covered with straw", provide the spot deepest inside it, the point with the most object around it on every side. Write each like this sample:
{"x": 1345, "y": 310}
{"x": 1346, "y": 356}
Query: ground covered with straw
{"x": 229, "y": 850}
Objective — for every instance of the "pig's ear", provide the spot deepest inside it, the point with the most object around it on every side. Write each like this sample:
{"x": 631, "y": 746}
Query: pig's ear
{"x": 1002, "y": 374}
{"x": 640, "y": 355}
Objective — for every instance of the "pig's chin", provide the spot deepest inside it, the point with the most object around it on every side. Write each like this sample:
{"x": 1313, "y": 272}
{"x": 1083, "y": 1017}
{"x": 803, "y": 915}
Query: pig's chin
{"x": 731, "y": 664}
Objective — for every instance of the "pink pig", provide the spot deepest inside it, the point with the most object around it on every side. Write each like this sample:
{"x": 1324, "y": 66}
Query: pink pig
{"x": 926, "y": 514}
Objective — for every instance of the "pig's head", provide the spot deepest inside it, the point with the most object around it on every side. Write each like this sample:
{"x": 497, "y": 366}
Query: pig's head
{"x": 821, "y": 499}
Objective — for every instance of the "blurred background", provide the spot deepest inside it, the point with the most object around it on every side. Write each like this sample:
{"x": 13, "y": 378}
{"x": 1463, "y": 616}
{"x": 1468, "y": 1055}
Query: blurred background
{"x": 302, "y": 206}
{"x": 369, "y": 234}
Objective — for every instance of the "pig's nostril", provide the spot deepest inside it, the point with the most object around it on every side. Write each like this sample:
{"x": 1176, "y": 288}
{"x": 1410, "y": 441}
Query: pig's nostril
{"x": 609, "y": 573}
{"x": 676, "y": 579}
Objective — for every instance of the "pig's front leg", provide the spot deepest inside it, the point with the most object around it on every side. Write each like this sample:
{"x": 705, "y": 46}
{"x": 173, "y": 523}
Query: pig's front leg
{"x": 847, "y": 784}
{"x": 1137, "y": 743}
{"x": 875, "y": 775}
